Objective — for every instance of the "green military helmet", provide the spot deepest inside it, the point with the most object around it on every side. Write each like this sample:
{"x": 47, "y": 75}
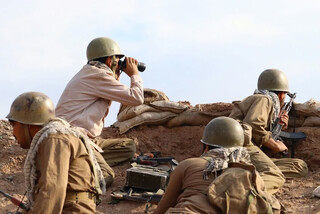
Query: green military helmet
{"x": 103, "y": 47}
{"x": 223, "y": 131}
{"x": 33, "y": 108}
{"x": 273, "y": 80}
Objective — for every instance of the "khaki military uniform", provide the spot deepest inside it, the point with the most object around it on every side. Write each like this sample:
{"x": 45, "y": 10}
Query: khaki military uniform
{"x": 116, "y": 150}
{"x": 186, "y": 191}
{"x": 86, "y": 100}
{"x": 270, "y": 173}
{"x": 65, "y": 180}
{"x": 257, "y": 111}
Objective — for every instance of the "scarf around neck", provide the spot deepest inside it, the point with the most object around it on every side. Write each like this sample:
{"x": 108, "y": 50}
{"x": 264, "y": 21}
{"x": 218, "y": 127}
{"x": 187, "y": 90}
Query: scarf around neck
{"x": 58, "y": 125}
{"x": 219, "y": 158}
{"x": 275, "y": 102}
{"x": 101, "y": 65}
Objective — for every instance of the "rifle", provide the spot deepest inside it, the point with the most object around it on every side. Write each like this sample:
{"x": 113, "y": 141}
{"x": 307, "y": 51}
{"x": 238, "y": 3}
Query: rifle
{"x": 276, "y": 129}
{"x": 153, "y": 160}
{"x": 145, "y": 197}
{"x": 293, "y": 137}
{"x": 16, "y": 201}
{"x": 277, "y": 134}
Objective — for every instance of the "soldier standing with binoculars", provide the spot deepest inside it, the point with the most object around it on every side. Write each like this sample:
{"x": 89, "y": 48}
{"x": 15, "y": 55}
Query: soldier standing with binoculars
{"x": 86, "y": 100}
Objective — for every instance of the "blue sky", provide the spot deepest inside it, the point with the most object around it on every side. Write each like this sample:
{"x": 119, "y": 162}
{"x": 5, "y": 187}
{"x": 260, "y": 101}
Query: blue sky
{"x": 202, "y": 51}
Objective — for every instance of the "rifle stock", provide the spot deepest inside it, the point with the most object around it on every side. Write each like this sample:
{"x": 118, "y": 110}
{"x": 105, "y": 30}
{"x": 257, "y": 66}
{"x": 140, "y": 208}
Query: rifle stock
{"x": 16, "y": 201}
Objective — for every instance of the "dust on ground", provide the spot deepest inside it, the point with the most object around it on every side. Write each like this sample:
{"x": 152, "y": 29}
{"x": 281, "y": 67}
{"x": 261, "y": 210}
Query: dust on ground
{"x": 181, "y": 142}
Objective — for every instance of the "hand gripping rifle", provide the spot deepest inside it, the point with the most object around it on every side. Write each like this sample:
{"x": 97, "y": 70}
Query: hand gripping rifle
{"x": 16, "y": 201}
{"x": 277, "y": 134}
{"x": 276, "y": 129}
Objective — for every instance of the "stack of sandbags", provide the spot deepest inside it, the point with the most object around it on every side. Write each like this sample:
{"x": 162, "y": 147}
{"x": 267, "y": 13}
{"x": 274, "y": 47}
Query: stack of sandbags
{"x": 201, "y": 114}
{"x": 157, "y": 109}
{"x": 305, "y": 114}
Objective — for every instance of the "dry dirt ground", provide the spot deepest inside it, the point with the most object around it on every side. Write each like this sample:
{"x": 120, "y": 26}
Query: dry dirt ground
{"x": 181, "y": 142}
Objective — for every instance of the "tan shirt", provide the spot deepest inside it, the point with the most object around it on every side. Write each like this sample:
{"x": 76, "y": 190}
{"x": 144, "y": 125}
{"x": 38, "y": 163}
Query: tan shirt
{"x": 86, "y": 100}
{"x": 257, "y": 111}
{"x": 187, "y": 188}
{"x": 62, "y": 165}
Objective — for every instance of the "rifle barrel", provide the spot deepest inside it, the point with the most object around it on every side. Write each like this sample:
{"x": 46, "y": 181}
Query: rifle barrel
{"x": 5, "y": 194}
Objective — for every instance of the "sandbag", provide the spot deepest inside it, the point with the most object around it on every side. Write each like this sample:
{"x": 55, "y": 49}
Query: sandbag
{"x": 296, "y": 121}
{"x": 190, "y": 117}
{"x": 166, "y": 105}
{"x": 215, "y": 107}
{"x": 309, "y": 108}
{"x": 163, "y": 105}
{"x": 194, "y": 117}
{"x": 128, "y": 112}
{"x": 151, "y": 95}
{"x": 311, "y": 121}
{"x": 146, "y": 118}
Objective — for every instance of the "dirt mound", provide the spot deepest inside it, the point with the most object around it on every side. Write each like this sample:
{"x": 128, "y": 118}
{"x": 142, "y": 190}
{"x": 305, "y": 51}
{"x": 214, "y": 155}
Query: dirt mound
{"x": 11, "y": 167}
{"x": 181, "y": 142}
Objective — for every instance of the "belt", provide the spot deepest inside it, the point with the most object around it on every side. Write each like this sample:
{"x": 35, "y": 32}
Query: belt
{"x": 80, "y": 196}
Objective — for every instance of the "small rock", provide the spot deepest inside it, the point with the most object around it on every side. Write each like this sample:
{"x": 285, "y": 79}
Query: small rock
{"x": 10, "y": 178}
{"x": 316, "y": 192}
{"x": 309, "y": 184}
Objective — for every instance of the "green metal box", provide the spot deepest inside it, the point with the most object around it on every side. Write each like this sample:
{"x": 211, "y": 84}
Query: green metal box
{"x": 146, "y": 178}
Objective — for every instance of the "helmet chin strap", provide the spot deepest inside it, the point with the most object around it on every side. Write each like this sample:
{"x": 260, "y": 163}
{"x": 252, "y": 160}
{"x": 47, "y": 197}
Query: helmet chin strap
{"x": 27, "y": 133}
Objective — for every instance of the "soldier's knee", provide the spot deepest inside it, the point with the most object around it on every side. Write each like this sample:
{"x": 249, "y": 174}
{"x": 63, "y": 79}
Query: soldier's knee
{"x": 300, "y": 169}
{"x": 292, "y": 167}
{"x": 131, "y": 145}
{"x": 304, "y": 169}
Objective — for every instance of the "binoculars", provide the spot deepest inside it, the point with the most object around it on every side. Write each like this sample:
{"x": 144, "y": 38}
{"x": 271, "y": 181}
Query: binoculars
{"x": 122, "y": 65}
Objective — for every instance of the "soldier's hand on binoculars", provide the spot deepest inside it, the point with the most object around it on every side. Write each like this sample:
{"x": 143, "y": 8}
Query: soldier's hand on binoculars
{"x": 131, "y": 66}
